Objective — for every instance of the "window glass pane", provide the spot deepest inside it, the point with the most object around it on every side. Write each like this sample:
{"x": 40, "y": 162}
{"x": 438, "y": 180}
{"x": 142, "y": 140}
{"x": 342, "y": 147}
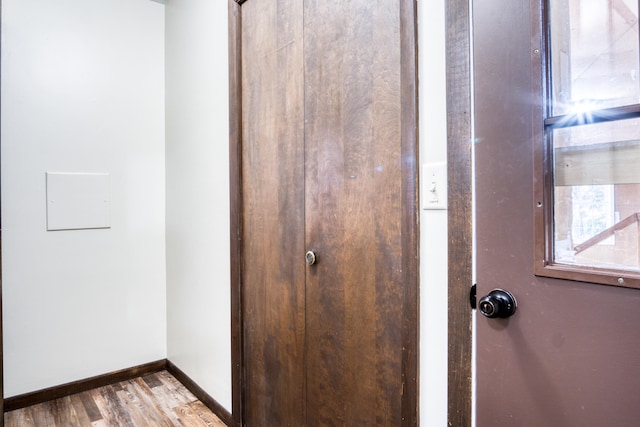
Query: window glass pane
{"x": 594, "y": 60}
{"x": 597, "y": 195}
{"x": 592, "y": 212}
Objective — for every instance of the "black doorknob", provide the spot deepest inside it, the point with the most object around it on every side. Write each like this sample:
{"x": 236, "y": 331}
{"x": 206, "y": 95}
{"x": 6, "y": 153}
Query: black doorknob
{"x": 499, "y": 303}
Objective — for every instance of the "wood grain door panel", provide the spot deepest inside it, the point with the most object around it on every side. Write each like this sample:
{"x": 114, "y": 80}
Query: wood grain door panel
{"x": 273, "y": 267}
{"x": 328, "y": 164}
{"x": 353, "y": 211}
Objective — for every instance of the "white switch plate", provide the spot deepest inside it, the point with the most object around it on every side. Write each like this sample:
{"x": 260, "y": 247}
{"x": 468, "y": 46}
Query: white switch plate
{"x": 434, "y": 186}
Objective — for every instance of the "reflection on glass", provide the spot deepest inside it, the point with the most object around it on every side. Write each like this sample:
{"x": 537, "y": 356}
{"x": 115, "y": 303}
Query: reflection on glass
{"x": 593, "y": 211}
{"x": 597, "y": 195}
{"x": 594, "y": 55}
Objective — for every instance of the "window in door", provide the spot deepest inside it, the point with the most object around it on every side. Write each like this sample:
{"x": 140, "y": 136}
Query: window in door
{"x": 588, "y": 181}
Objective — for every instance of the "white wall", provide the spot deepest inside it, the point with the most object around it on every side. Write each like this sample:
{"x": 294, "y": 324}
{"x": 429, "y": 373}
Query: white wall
{"x": 197, "y": 142}
{"x": 82, "y": 91}
{"x": 433, "y": 223}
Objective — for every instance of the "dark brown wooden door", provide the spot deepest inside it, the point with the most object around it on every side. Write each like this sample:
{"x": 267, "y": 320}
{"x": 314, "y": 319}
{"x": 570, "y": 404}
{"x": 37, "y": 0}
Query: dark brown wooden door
{"x": 273, "y": 159}
{"x": 570, "y": 355}
{"x": 329, "y": 165}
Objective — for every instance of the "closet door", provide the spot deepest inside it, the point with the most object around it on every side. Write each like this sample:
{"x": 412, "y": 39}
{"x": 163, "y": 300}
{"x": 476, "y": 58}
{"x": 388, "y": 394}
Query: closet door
{"x": 354, "y": 212}
{"x": 329, "y": 166}
{"x": 273, "y": 264}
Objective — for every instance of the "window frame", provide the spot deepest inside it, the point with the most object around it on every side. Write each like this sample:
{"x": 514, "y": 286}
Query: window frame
{"x": 543, "y": 125}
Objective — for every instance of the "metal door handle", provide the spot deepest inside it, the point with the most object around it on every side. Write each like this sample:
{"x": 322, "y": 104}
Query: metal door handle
{"x": 498, "y": 303}
{"x": 310, "y": 257}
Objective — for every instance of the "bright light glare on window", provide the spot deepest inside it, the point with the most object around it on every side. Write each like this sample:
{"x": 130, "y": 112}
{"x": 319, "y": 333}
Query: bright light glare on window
{"x": 584, "y": 106}
{"x": 581, "y": 110}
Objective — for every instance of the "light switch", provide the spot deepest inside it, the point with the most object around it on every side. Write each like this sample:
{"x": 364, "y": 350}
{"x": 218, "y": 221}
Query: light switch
{"x": 434, "y": 186}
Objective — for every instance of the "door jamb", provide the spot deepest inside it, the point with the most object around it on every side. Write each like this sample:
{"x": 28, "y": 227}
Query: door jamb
{"x": 1, "y": 326}
{"x": 460, "y": 216}
{"x": 235, "y": 194}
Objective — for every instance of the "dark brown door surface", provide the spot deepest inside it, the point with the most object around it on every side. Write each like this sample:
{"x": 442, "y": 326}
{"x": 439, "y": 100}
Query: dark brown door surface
{"x": 329, "y": 166}
{"x": 273, "y": 267}
{"x": 570, "y": 356}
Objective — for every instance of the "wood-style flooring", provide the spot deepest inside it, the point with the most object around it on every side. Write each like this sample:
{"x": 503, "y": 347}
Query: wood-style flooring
{"x": 149, "y": 401}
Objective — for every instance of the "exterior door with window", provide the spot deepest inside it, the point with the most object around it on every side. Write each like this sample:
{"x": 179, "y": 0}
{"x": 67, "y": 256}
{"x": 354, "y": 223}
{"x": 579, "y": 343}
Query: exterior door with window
{"x": 557, "y": 151}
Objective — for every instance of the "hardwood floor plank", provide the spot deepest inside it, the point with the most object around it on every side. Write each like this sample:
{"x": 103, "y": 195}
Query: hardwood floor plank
{"x": 176, "y": 387}
{"x": 106, "y": 415}
{"x": 42, "y": 415}
{"x": 152, "y": 380}
{"x": 192, "y": 415}
{"x": 205, "y": 414}
{"x": 148, "y": 398}
{"x": 169, "y": 393}
{"x": 107, "y": 402}
{"x": 79, "y": 407}
{"x": 129, "y": 405}
{"x": 64, "y": 413}
{"x": 90, "y": 407}
{"x": 18, "y": 419}
{"x": 150, "y": 401}
{"x": 142, "y": 408}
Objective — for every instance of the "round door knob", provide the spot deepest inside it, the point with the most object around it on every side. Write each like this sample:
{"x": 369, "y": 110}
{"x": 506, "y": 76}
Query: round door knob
{"x": 499, "y": 303}
{"x": 310, "y": 257}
